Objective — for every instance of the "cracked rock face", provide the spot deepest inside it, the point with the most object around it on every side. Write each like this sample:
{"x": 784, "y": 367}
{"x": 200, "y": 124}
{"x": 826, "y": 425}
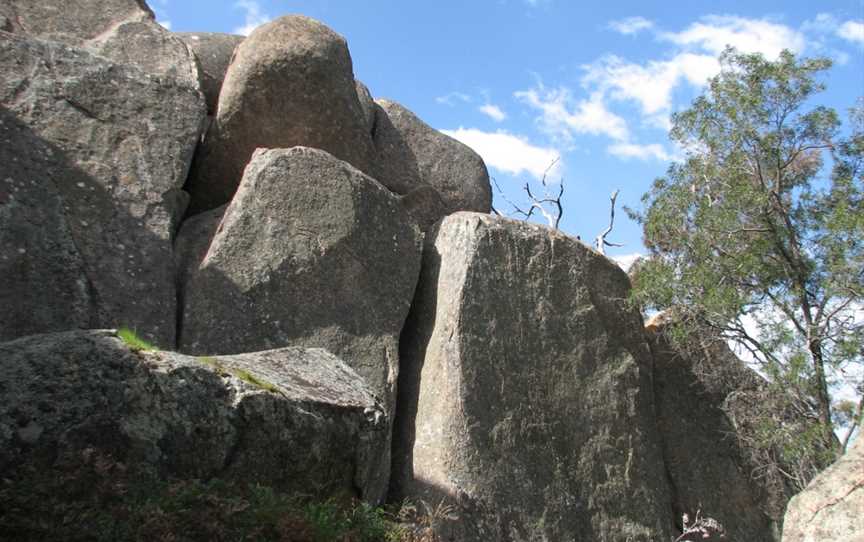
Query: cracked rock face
{"x": 831, "y": 507}
{"x": 303, "y": 420}
{"x": 111, "y": 149}
{"x": 525, "y": 392}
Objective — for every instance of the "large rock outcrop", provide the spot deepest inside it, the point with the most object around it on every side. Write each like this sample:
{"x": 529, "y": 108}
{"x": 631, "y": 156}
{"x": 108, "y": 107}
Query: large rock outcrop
{"x": 113, "y": 147}
{"x": 295, "y": 419}
{"x": 831, "y": 508}
{"x": 525, "y": 396}
{"x": 417, "y": 154}
{"x": 708, "y": 468}
{"x": 291, "y": 83}
{"x": 310, "y": 252}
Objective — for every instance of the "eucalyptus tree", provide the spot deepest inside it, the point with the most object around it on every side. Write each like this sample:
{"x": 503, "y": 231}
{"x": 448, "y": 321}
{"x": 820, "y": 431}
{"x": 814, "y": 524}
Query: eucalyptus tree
{"x": 757, "y": 235}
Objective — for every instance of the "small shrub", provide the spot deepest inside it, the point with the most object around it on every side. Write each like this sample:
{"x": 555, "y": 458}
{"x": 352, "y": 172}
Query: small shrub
{"x": 133, "y": 341}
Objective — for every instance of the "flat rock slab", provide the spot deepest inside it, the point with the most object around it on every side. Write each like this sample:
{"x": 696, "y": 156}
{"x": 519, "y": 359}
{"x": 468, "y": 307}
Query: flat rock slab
{"x": 121, "y": 143}
{"x": 832, "y": 505}
{"x": 525, "y": 394}
{"x": 294, "y": 419}
{"x": 291, "y": 82}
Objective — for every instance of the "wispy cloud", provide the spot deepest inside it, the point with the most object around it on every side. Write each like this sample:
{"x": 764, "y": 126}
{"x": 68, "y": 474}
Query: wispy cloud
{"x": 852, "y": 31}
{"x": 453, "y": 98}
{"x": 253, "y": 17}
{"x": 508, "y": 153}
{"x": 165, "y": 24}
{"x": 651, "y": 84}
{"x": 652, "y": 151}
{"x": 493, "y": 112}
{"x": 714, "y": 32}
{"x": 630, "y": 25}
{"x": 562, "y": 117}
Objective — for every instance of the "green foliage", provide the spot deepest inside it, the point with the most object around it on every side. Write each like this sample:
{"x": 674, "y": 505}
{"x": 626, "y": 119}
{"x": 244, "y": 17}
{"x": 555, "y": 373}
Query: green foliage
{"x": 249, "y": 378}
{"x": 242, "y": 374}
{"x": 100, "y": 499}
{"x": 749, "y": 230}
{"x": 133, "y": 341}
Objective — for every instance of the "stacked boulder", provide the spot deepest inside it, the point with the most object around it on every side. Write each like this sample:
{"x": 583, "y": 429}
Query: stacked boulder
{"x": 525, "y": 398}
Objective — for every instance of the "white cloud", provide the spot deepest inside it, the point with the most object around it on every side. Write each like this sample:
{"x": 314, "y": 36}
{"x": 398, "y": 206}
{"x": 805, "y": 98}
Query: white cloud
{"x": 453, "y": 97}
{"x": 714, "y": 32}
{"x": 653, "y": 151}
{"x": 852, "y": 31}
{"x": 652, "y": 84}
{"x": 631, "y": 25}
{"x": 561, "y": 117}
{"x": 493, "y": 112}
{"x": 165, "y": 24}
{"x": 507, "y": 152}
{"x": 254, "y": 17}
{"x": 625, "y": 261}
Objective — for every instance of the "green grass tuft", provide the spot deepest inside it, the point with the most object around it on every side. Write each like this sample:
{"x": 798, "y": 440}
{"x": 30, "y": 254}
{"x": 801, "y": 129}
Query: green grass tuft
{"x": 133, "y": 341}
{"x": 248, "y": 377}
{"x": 242, "y": 374}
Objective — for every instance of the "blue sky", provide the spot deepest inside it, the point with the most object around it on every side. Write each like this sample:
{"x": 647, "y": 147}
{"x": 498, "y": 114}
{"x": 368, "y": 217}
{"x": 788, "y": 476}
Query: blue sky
{"x": 526, "y": 81}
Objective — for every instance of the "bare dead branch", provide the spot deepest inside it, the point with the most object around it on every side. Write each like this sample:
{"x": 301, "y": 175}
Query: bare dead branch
{"x": 601, "y": 243}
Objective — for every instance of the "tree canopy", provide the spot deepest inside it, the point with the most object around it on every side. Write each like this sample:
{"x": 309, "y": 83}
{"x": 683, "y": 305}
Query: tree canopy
{"x": 757, "y": 236}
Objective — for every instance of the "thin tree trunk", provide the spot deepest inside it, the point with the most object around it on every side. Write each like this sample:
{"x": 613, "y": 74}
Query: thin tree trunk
{"x": 822, "y": 398}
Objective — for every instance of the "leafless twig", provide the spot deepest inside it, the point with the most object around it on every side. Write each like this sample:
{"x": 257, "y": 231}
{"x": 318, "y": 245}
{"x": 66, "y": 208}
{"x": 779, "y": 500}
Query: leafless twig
{"x": 601, "y": 243}
{"x": 539, "y": 204}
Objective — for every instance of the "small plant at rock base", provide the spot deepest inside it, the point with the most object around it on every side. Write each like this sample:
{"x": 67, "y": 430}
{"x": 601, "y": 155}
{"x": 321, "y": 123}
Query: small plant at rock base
{"x": 701, "y": 527}
{"x": 133, "y": 341}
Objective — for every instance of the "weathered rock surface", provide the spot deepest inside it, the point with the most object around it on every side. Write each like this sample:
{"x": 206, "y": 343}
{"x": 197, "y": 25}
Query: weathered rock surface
{"x": 419, "y": 154}
{"x": 831, "y": 508}
{"x": 302, "y": 422}
{"x": 148, "y": 46}
{"x": 707, "y": 468}
{"x": 291, "y": 83}
{"x": 531, "y": 385}
{"x": 424, "y": 205}
{"x": 73, "y": 21}
{"x": 214, "y": 52}
{"x": 310, "y": 252}
{"x": 367, "y": 105}
{"x": 193, "y": 242}
{"x": 121, "y": 143}
{"x": 42, "y": 278}
{"x": 124, "y": 31}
